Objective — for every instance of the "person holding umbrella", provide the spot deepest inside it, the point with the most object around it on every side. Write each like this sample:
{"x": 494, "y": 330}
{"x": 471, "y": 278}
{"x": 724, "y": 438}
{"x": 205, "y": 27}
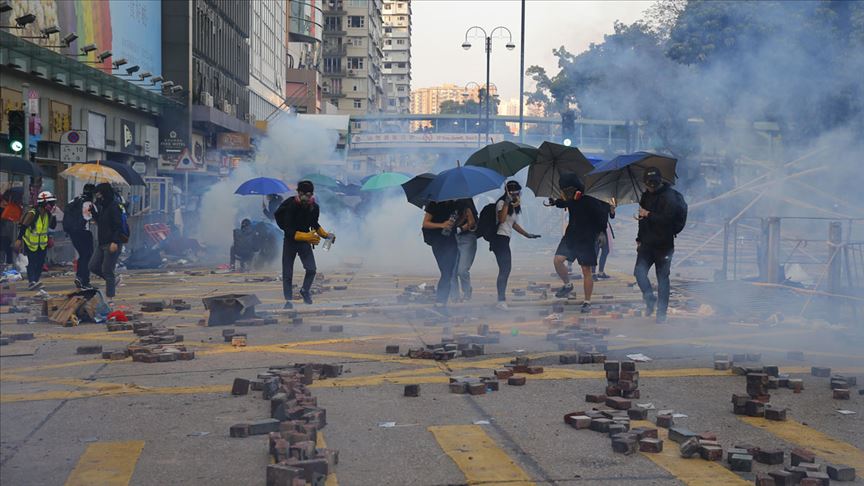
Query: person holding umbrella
{"x": 298, "y": 218}
{"x": 588, "y": 218}
{"x": 466, "y": 245}
{"x": 662, "y": 215}
{"x": 33, "y": 236}
{"x": 112, "y": 235}
{"x": 439, "y": 223}
{"x": 76, "y": 217}
{"x": 507, "y": 210}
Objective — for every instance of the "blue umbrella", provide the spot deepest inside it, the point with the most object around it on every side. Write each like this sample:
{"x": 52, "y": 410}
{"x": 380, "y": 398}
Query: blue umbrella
{"x": 622, "y": 177}
{"x": 262, "y": 186}
{"x": 460, "y": 183}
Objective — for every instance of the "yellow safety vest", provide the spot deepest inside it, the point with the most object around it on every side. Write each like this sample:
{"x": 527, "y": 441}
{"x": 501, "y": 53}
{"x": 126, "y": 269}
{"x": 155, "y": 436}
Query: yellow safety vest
{"x": 36, "y": 235}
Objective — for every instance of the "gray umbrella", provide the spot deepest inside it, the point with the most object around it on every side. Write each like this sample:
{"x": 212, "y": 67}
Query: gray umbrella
{"x": 552, "y": 161}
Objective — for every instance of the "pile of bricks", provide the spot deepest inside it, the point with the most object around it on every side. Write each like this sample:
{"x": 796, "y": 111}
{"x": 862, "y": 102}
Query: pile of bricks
{"x": 586, "y": 342}
{"x": 469, "y": 345}
{"x": 155, "y": 353}
{"x": 152, "y": 306}
{"x": 840, "y": 384}
{"x": 622, "y": 385}
{"x": 180, "y": 305}
{"x": 295, "y": 419}
{"x": 6, "y": 338}
{"x": 149, "y": 333}
{"x": 616, "y": 424}
{"x": 470, "y": 385}
{"x": 480, "y": 385}
{"x": 229, "y": 335}
{"x": 723, "y": 361}
{"x": 414, "y": 294}
{"x": 756, "y": 403}
{"x": 803, "y": 470}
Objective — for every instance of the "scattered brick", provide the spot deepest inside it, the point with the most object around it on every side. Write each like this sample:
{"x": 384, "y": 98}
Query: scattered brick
{"x": 689, "y": 448}
{"x": 239, "y": 430}
{"x": 650, "y": 445}
{"x": 821, "y": 372}
{"x": 503, "y": 374}
{"x": 681, "y": 435}
{"x": 763, "y": 479}
{"x": 568, "y": 359}
{"x": 336, "y": 328}
{"x": 645, "y": 433}
{"x": 594, "y": 398}
{"x": 412, "y": 390}
{"x": 840, "y": 473}
{"x": 798, "y": 456}
{"x": 755, "y": 408}
{"x": 578, "y": 421}
{"x": 769, "y": 456}
{"x": 516, "y": 380}
{"x": 783, "y": 478}
{"x": 477, "y": 388}
{"x": 777, "y": 414}
{"x": 88, "y": 350}
{"x": 600, "y": 425}
{"x": 815, "y": 478}
{"x": 637, "y": 413}
{"x": 534, "y": 370}
{"x": 741, "y": 462}
{"x": 711, "y": 452}
{"x": 618, "y": 403}
{"x": 624, "y": 446}
{"x": 841, "y": 394}
{"x": 796, "y": 384}
{"x": 721, "y": 365}
{"x": 664, "y": 421}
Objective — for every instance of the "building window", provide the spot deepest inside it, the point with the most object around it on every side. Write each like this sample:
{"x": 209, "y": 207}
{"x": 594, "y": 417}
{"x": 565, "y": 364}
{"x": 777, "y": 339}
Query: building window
{"x": 388, "y": 30}
{"x": 332, "y": 23}
{"x": 357, "y": 3}
{"x": 387, "y": 6}
{"x": 358, "y": 103}
{"x": 400, "y": 42}
{"x": 355, "y": 63}
{"x": 356, "y": 41}
{"x": 388, "y": 65}
{"x": 400, "y": 88}
{"x": 355, "y": 125}
{"x": 356, "y": 21}
{"x": 354, "y": 87}
{"x": 388, "y": 42}
{"x": 357, "y": 166}
{"x": 401, "y": 64}
{"x": 401, "y": 19}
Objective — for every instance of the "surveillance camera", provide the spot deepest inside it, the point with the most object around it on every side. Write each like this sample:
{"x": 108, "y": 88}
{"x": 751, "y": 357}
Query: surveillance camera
{"x": 88, "y": 48}
{"x": 167, "y": 84}
{"x": 155, "y": 79}
{"x": 145, "y": 75}
{"x": 50, "y": 30}
{"x": 119, "y": 62}
{"x": 25, "y": 19}
{"x": 104, "y": 55}
{"x": 70, "y": 38}
{"x": 133, "y": 69}
{"x": 5, "y": 6}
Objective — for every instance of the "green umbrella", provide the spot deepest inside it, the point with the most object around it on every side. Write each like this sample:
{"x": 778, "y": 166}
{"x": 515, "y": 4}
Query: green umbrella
{"x": 320, "y": 180}
{"x": 384, "y": 180}
{"x": 505, "y": 158}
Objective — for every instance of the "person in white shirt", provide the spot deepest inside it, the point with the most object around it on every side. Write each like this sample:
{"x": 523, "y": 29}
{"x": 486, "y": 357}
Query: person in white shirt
{"x": 507, "y": 210}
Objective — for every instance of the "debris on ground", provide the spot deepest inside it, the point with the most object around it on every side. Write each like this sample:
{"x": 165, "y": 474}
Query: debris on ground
{"x": 229, "y": 308}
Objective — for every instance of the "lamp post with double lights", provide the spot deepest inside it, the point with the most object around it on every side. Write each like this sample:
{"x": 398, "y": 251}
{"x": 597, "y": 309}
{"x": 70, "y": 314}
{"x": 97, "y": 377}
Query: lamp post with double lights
{"x": 474, "y": 32}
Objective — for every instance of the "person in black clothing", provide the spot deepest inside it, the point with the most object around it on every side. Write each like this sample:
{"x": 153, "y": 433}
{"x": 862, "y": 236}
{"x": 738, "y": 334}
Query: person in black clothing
{"x": 466, "y": 246}
{"x": 244, "y": 247}
{"x": 270, "y": 204}
{"x": 659, "y": 209}
{"x": 298, "y": 218}
{"x": 603, "y": 244}
{"x": 588, "y": 218}
{"x": 76, "y": 220}
{"x": 439, "y": 232}
{"x": 507, "y": 210}
{"x": 109, "y": 223}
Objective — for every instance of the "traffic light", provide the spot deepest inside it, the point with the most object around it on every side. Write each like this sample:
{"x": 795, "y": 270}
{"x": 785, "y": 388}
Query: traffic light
{"x": 17, "y": 125}
{"x": 568, "y": 126}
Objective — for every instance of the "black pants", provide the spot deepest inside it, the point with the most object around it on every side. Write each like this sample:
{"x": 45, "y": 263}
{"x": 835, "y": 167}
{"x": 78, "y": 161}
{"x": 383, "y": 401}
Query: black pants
{"x": 603, "y": 251}
{"x": 446, "y": 254}
{"x": 290, "y": 251}
{"x": 500, "y": 246}
{"x": 244, "y": 258}
{"x": 662, "y": 261}
{"x": 103, "y": 264}
{"x": 83, "y": 243}
{"x": 35, "y": 260}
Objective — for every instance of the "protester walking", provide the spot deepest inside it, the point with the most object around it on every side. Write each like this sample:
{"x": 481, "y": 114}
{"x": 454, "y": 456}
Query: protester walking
{"x": 33, "y": 233}
{"x": 587, "y": 219}
{"x": 10, "y": 215}
{"x": 604, "y": 242}
{"x": 439, "y": 232}
{"x": 662, "y": 215}
{"x": 76, "y": 220}
{"x": 298, "y": 218}
{"x": 466, "y": 246}
{"x": 113, "y": 233}
{"x": 507, "y": 210}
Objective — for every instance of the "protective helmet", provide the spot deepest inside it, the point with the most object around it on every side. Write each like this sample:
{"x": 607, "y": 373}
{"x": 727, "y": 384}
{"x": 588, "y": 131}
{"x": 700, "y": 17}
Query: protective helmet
{"x": 45, "y": 197}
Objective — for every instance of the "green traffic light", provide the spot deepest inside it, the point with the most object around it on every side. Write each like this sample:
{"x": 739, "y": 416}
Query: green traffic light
{"x": 16, "y": 146}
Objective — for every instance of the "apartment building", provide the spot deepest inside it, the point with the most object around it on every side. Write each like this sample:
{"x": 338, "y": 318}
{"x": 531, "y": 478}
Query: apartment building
{"x": 427, "y": 101}
{"x": 397, "y": 55}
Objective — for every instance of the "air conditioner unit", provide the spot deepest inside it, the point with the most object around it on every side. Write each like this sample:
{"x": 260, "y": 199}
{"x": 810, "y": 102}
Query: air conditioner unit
{"x": 93, "y": 89}
{"x": 60, "y": 78}
{"x": 350, "y": 72}
{"x": 207, "y": 99}
{"x": 19, "y": 63}
{"x": 41, "y": 71}
{"x": 78, "y": 84}
{"x": 108, "y": 94}
{"x": 121, "y": 99}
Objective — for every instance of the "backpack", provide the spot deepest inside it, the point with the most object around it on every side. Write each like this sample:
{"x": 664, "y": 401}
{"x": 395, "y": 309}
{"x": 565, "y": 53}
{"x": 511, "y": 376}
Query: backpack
{"x": 487, "y": 222}
{"x": 73, "y": 216}
{"x": 680, "y": 220}
{"x": 124, "y": 223}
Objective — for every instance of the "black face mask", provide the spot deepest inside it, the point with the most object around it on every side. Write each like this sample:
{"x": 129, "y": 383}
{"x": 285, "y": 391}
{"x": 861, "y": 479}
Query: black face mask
{"x": 653, "y": 183}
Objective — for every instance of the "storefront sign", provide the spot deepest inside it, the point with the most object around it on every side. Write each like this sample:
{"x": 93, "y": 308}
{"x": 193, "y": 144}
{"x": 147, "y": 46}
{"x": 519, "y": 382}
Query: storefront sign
{"x": 127, "y": 137}
{"x": 233, "y": 141}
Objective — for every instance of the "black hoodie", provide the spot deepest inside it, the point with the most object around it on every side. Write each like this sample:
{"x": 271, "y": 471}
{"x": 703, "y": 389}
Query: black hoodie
{"x": 109, "y": 218}
{"x": 656, "y": 231}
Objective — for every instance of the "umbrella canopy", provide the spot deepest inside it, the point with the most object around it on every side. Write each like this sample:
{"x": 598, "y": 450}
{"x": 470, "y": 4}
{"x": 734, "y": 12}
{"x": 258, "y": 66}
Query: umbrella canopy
{"x": 384, "y": 180}
{"x": 505, "y": 158}
{"x": 320, "y": 180}
{"x": 262, "y": 186}
{"x": 460, "y": 183}
{"x": 19, "y": 165}
{"x": 14, "y": 194}
{"x": 129, "y": 175}
{"x": 622, "y": 176}
{"x": 553, "y": 160}
{"x": 414, "y": 188}
{"x": 94, "y": 173}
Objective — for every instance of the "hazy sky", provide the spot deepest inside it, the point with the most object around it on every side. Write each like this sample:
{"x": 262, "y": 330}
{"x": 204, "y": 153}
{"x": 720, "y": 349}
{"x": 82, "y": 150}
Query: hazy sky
{"x": 439, "y": 29}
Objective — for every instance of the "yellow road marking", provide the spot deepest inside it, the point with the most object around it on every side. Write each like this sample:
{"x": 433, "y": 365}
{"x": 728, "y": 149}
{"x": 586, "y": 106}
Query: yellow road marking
{"x": 119, "y": 336}
{"x": 106, "y": 464}
{"x": 60, "y": 381}
{"x": 320, "y": 443}
{"x": 69, "y": 364}
{"x": 825, "y": 446}
{"x": 125, "y": 389}
{"x": 478, "y": 456}
{"x": 694, "y": 472}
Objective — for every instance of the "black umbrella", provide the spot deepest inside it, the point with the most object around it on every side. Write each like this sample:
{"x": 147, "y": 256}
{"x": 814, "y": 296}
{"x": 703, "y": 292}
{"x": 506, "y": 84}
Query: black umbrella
{"x": 19, "y": 165}
{"x": 552, "y": 161}
{"x": 132, "y": 177}
{"x": 622, "y": 177}
{"x": 14, "y": 194}
{"x": 414, "y": 189}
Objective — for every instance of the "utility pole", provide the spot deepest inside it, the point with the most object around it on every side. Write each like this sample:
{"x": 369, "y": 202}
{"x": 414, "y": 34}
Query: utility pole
{"x": 488, "y": 93}
{"x": 25, "y": 94}
{"x": 522, "y": 78}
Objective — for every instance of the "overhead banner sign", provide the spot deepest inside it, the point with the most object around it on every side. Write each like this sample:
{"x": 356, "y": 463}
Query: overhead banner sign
{"x": 73, "y": 146}
{"x": 379, "y": 139}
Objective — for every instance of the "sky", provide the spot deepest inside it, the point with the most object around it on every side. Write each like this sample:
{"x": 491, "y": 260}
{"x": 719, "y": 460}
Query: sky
{"x": 439, "y": 26}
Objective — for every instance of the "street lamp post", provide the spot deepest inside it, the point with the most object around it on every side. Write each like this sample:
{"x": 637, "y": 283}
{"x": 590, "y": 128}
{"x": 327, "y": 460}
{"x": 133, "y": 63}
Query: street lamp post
{"x": 479, "y": 106}
{"x": 488, "y": 38}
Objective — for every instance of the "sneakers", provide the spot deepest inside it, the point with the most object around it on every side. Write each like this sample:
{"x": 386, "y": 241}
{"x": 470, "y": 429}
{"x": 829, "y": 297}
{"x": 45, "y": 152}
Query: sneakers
{"x": 602, "y": 276}
{"x": 595, "y": 277}
{"x": 34, "y": 286}
{"x": 288, "y": 305}
{"x": 501, "y": 305}
{"x": 586, "y": 308}
{"x": 650, "y": 303}
{"x": 661, "y": 318}
{"x": 118, "y": 280}
{"x": 78, "y": 284}
{"x": 564, "y": 291}
{"x": 307, "y": 296}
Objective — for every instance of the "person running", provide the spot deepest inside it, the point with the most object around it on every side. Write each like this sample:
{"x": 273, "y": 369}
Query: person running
{"x": 298, "y": 218}
{"x": 76, "y": 218}
{"x": 466, "y": 245}
{"x": 507, "y": 210}
{"x": 604, "y": 242}
{"x": 662, "y": 215}
{"x": 439, "y": 232}
{"x": 33, "y": 233}
{"x": 110, "y": 229}
{"x": 244, "y": 247}
{"x": 588, "y": 218}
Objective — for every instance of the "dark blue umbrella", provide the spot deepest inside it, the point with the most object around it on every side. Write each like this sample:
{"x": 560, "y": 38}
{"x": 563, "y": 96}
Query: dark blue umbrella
{"x": 460, "y": 183}
{"x": 622, "y": 177}
{"x": 262, "y": 186}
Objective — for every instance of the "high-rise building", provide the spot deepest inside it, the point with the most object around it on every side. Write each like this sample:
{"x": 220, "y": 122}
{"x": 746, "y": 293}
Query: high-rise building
{"x": 352, "y": 56}
{"x": 303, "y": 73}
{"x": 267, "y": 58}
{"x": 427, "y": 101}
{"x": 397, "y": 55}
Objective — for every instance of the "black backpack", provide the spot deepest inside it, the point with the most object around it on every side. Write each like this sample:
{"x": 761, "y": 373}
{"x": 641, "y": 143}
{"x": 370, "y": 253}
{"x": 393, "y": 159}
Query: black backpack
{"x": 680, "y": 220}
{"x": 73, "y": 216}
{"x": 487, "y": 222}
